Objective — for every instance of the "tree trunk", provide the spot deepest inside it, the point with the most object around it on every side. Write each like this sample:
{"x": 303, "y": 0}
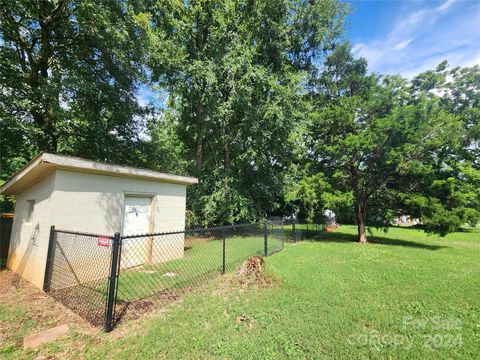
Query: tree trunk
{"x": 199, "y": 154}
{"x": 361, "y": 212}
{"x": 226, "y": 158}
{"x": 43, "y": 113}
{"x": 200, "y": 134}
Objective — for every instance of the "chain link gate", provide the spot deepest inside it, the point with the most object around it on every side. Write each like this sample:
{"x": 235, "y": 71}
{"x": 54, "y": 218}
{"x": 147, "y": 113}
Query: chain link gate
{"x": 77, "y": 272}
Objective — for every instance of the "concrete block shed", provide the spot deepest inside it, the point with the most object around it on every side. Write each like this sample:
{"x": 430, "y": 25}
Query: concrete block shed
{"x": 82, "y": 195}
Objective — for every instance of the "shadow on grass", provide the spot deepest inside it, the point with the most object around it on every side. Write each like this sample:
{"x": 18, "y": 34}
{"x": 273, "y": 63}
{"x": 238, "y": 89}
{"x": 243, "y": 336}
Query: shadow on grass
{"x": 338, "y": 236}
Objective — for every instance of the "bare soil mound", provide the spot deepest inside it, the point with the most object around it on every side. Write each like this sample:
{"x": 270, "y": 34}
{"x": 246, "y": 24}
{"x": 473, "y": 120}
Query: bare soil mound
{"x": 253, "y": 272}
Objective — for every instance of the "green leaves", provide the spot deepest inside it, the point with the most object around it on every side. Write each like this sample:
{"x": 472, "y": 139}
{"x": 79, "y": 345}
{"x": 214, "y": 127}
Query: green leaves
{"x": 261, "y": 103}
{"x": 69, "y": 74}
{"x": 396, "y": 148}
{"x": 235, "y": 81}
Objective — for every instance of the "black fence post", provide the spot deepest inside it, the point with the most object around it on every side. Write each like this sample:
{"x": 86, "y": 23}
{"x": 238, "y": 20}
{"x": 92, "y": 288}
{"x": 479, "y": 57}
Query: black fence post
{"x": 307, "y": 232}
{"x": 48, "y": 270}
{"x": 112, "y": 283}
{"x": 223, "y": 252}
{"x": 294, "y": 232}
{"x": 265, "y": 239}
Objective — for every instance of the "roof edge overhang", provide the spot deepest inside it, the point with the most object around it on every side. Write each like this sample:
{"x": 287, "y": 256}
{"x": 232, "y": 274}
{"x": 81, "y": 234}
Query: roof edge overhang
{"x": 45, "y": 163}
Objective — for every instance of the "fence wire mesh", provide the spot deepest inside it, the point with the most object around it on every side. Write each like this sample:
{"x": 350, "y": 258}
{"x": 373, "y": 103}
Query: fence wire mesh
{"x": 77, "y": 273}
{"x": 158, "y": 268}
{"x": 298, "y": 229}
{"x": 150, "y": 269}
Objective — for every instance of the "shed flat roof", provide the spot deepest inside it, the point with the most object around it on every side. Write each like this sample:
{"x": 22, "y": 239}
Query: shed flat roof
{"x": 45, "y": 163}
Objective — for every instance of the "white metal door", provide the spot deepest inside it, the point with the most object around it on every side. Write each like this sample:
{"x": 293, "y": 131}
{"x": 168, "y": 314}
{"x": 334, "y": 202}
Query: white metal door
{"x": 136, "y": 220}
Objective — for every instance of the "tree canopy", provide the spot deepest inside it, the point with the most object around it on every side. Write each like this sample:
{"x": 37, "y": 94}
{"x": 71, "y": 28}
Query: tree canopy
{"x": 235, "y": 86}
{"x": 391, "y": 147}
{"x": 69, "y": 73}
{"x": 264, "y": 102}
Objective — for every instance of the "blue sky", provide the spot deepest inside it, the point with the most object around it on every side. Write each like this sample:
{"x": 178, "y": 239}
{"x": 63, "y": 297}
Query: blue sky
{"x": 408, "y": 37}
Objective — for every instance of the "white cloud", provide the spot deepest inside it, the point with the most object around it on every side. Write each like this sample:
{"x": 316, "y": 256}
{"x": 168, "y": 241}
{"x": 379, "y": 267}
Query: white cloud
{"x": 420, "y": 38}
{"x": 357, "y": 48}
{"x": 416, "y": 17}
{"x": 446, "y": 5}
{"x": 372, "y": 54}
{"x": 402, "y": 45}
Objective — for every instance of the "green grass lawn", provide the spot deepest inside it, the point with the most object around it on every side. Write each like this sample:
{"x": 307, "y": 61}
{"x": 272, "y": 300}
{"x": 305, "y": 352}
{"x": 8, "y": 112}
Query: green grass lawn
{"x": 9, "y": 316}
{"x": 405, "y": 295}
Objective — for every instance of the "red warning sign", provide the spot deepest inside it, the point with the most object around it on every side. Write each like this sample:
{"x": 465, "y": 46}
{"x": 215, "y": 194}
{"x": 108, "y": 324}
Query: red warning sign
{"x": 103, "y": 241}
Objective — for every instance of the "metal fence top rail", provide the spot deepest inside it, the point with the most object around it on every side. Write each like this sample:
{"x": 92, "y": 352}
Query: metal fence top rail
{"x": 82, "y": 233}
{"x": 176, "y": 232}
{"x": 193, "y": 231}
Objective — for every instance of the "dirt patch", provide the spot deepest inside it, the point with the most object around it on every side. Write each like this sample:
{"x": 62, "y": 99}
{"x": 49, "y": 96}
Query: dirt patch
{"x": 133, "y": 310}
{"x": 25, "y": 309}
{"x": 84, "y": 301}
{"x": 129, "y": 311}
{"x": 245, "y": 321}
{"x": 142, "y": 312}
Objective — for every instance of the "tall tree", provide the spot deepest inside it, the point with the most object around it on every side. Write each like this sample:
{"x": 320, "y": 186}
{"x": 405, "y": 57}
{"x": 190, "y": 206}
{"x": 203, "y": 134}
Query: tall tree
{"x": 386, "y": 146}
{"x": 234, "y": 85}
{"x": 68, "y": 78}
{"x": 449, "y": 195}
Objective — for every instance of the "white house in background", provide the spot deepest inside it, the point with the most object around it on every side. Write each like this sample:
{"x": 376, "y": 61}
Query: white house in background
{"x": 82, "y": 195}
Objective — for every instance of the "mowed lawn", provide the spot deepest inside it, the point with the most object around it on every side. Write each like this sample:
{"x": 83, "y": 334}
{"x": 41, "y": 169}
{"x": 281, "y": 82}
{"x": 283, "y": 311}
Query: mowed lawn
{"x": 404, "y": 295}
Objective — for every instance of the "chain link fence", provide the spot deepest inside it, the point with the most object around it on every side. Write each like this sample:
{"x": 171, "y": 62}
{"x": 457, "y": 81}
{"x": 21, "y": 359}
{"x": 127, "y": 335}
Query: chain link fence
{"x": 77, "y": 272}
{"x": 295, "y": 229}
{"x": 107, "y": 278}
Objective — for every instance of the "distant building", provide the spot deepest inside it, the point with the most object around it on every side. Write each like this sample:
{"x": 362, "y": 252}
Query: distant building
{"x": 406, "y": 220}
